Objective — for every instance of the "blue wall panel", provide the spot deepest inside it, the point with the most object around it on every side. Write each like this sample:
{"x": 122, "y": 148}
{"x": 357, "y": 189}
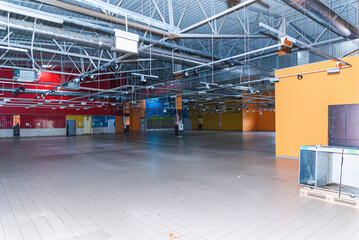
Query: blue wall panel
{"x": 155, "y": 107}
{"x": 101, "y": 121}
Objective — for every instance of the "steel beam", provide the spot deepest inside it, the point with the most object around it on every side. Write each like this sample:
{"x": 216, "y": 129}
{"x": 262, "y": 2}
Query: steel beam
{"x": 221, "y": 14}
{"x": 232, "y": 57}
{"x": 231, "y": 36}
{"x": 129, "y": 14}
{"x": 88, "y": 12}
{"x": 313, "y": 49}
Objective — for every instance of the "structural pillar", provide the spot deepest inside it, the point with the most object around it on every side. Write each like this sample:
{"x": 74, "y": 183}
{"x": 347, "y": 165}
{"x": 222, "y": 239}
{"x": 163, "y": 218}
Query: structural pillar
{"x": 126, "y": 118}
{"x": 178, "y": 115}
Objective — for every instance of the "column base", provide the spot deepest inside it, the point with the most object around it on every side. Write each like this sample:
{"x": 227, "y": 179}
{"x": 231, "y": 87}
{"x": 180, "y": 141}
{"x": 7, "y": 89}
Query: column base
{"x": 178, "y": 132}
{"x": 127, "y": 129}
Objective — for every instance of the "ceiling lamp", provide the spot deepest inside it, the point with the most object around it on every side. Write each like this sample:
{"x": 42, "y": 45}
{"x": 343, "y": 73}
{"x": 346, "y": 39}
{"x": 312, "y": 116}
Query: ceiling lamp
{"x": 195, "y": 72}
{"x": 333, "y": 71}
{"x": 231, "y": 62}
{"x": 19, "y": 90}
{"x": 47, "y": 66}
{"x": 114, "y": 65}
{"x": 274, "y": 80}
{"x": 287, "y": 41}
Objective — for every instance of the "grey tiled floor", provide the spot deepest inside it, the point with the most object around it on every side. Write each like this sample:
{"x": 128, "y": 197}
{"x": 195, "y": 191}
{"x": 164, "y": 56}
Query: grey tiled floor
{"x": 206, "y": 186}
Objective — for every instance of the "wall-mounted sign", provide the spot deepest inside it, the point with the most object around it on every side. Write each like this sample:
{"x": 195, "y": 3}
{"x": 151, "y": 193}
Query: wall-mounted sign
{"x": 126, "y": 41}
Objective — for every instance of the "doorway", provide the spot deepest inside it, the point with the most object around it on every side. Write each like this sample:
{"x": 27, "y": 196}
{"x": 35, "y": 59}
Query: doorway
{"x": 16, "y": 125}
{"x": 71, "y": 127}
{"x": 87, "y": 125}
{"x": 111, "y": 126}
{"x": 143, "y": 124}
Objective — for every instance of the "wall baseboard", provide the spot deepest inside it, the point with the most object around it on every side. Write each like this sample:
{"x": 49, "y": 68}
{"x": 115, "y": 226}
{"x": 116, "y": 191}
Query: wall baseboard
{"x": 289, "y": 157}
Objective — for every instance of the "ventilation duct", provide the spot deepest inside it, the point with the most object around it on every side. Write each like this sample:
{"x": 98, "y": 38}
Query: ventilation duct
{"x": 326, "y": 16}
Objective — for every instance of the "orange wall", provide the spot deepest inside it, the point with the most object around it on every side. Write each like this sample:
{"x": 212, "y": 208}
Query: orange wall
{"x": 135, "y": 122}
{"x": 302, "y": 105}
{"x": 266, "y": 121}
{"x": 249, "y": 121}
{"x": 136, "y": 114}
{"x": 119, "y": 124}
{"x": 254, "y": 121}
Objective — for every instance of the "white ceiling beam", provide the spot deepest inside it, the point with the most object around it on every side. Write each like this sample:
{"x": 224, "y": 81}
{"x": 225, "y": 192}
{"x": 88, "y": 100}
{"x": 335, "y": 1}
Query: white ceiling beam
{"x": 95, "y": 14}
{"x": 158, "y": 11}
{"x": 129, "y": 14}
{"x": 13, "y": 8}
{"x": 199, "y": 35}
{"x": 218, "y": 15}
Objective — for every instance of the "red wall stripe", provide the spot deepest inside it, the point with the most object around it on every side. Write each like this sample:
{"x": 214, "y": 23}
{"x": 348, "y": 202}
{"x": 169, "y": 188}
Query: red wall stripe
{"x": 5, "y": 121}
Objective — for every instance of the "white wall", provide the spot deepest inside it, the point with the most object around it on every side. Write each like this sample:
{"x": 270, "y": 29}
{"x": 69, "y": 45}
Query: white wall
{"x": 99, "y": 130}
{"x": 37, "y": 132}
{"x": 79, "y": 131}
{"x": 6, "y": 133}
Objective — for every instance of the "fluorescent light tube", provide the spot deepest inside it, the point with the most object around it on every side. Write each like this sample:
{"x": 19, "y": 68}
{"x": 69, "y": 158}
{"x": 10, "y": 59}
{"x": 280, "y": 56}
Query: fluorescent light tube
{"x": 333, "y": 71}
{"x": 14, "y": 49}
{"x": 149, "y": 76}
{"x": 47, "y": 66}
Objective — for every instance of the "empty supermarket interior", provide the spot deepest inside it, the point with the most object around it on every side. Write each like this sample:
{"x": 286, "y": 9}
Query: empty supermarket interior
{"x": 179, "y": 119}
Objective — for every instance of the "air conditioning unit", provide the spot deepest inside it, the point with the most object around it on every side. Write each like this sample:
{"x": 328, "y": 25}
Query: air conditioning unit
{"x": 71, "y": 86}
{"x": 25, "y": 76}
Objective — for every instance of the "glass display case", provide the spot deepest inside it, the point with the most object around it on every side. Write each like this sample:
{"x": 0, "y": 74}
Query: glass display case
{"x": 332, "y": 168}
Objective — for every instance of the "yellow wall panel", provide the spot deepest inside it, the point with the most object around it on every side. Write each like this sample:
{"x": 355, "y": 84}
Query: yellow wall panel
{"x": 210, "y": 121}
{"x": 79, "y": 119}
